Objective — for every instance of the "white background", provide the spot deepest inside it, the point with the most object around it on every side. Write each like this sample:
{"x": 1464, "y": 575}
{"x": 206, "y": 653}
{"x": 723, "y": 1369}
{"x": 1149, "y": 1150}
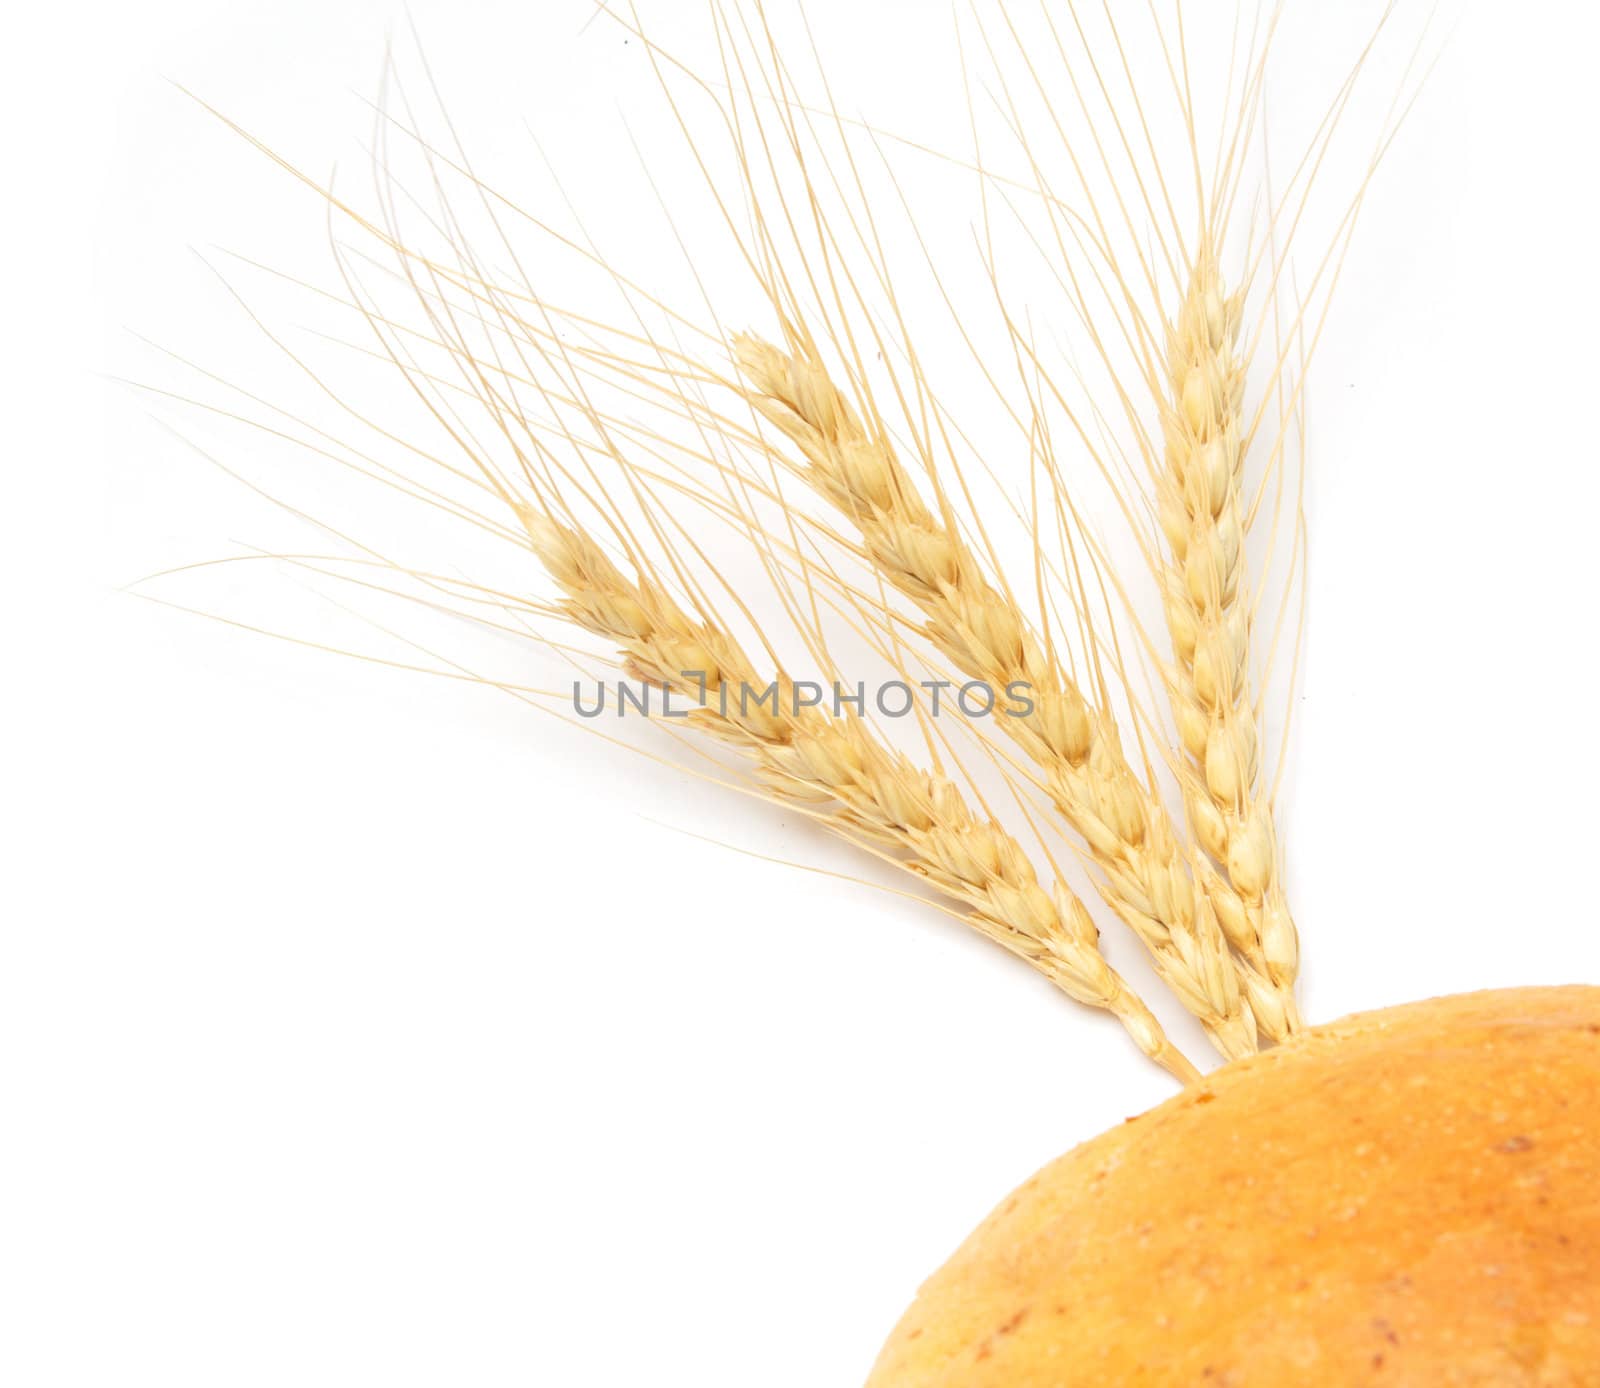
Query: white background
{"x": 363, "y": 1031}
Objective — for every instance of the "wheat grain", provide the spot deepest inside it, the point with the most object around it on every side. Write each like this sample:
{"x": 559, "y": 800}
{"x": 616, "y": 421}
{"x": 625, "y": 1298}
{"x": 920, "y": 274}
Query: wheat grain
{"x": 1126, "y": 828}
{"x": 1208, "y": 609}
{"x": 836, "y": 769}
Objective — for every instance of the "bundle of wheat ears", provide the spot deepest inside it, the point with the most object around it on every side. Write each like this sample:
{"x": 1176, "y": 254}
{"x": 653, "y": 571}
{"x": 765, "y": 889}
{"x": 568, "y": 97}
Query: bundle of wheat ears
{"x": 1125, "y": 688}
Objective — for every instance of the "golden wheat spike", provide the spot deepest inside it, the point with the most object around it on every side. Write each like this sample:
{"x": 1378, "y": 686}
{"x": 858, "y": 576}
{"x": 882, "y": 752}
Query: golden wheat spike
{"x": 839, "y": 772}
{"x": 1124, "y": 826}
{"x": 1207, "y": 599}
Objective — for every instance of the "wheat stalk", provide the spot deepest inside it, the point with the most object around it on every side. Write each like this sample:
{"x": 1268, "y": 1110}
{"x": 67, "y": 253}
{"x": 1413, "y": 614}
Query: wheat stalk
{"x": 839, "y": 772}
{"x": 1126, "y": 828}
{"x": 1208, "y": 609}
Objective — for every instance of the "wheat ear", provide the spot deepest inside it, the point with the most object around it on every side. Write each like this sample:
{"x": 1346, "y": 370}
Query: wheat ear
{"x": 1208, "y": 608}
{"x": 843, "y": 776}
{"x": 1125, "y": 827}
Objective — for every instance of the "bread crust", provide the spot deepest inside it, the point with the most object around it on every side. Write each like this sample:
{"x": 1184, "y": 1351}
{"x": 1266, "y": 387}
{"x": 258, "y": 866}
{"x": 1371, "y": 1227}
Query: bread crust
{"x": 1405, "y": 1197}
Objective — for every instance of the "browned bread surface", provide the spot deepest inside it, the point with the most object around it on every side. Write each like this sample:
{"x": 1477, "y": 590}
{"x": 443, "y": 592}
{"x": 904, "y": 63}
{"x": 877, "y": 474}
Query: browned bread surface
{"x": 1406, "y": 1197}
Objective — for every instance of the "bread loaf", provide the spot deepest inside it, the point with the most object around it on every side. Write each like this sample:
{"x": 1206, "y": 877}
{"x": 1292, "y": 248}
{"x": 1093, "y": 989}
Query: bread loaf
{"x": 1406, "y": 1197}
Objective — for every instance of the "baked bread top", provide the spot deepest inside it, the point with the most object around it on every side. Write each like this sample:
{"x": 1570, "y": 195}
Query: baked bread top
{"x": 1404, "y": 1197}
